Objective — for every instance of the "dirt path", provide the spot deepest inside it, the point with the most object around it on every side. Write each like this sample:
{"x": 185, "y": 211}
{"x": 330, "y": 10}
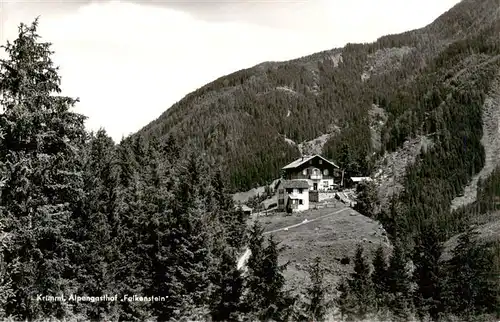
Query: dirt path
{"x": 306, "y": 221}
{"x": 491, "y": 143}
{"x": 244, "y": 257}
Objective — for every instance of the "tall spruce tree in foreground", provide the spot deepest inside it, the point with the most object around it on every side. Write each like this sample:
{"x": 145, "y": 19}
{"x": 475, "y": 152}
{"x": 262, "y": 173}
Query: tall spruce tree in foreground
{"x": 96, "y": 225}
{"x": 265, "y": 296}
{"x": 228, "y": 228}
{"x": 233, "y": 221}
{"x": 427, "y": 273}
{"x": 380, "y": 278}
{"x": 129, "y": 237}
{"x": 276, "y": 303}
{"x": 344, "y": 300}
{"x": 253, "y": 285}
{"x": 398, "y": 284}
{"x": 361, "y": 286}
{"x": 188, "y": 240}
{"x": 5, "y": 278}
{"x": 315, "y": 293}
{"x": 226, "y": 299}
{"x": 41, "y": 149}
{"x": 356, "y": 298}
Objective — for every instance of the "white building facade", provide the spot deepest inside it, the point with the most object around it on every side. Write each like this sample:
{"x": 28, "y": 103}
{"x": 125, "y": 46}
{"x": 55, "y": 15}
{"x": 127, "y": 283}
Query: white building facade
{"x": 293, "y": 195}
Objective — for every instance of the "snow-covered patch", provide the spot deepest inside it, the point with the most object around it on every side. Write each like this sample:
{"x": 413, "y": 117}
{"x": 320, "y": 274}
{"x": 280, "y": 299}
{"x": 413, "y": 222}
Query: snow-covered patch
{"x": 491, "y": 143}
{"x": 288, "y": 113}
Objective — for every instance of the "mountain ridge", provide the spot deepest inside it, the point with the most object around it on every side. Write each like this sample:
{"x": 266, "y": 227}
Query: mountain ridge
{"x": 230, "y": 117}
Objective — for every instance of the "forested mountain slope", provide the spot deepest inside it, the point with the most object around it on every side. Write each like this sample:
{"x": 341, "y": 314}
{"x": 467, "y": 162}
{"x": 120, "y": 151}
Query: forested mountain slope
{"x": 408, "y": 75}
{"x": 82, "y": 216}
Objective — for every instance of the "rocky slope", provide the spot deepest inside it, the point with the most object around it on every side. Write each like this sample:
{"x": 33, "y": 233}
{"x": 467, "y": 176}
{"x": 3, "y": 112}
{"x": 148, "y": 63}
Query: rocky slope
{"x": 490, "y": 141}
{"x": 390, "y": 170}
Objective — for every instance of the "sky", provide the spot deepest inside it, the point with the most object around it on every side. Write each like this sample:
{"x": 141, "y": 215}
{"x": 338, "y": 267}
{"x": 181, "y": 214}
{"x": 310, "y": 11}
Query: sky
{"x": 128, "y": 61}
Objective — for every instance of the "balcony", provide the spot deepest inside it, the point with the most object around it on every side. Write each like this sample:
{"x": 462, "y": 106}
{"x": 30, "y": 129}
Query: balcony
{"x": 315, "y": 176}
{"x": 297, "y": 195}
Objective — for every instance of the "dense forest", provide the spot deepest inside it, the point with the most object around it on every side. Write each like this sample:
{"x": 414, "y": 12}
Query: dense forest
{"x": 430, "y": 82}
{"x": 304, "y": 98}
{"x": 153, "y": 217}
{"x": 127, "y": 232}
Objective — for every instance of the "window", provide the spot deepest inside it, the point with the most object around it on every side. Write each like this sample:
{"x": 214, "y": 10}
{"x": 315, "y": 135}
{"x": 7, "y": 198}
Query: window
{"x": 300, "y": 201}
{"x": 300, "y": 190}
{"x": 281, "y": 191}
{"x": 304, "y": 172}
{"x": 325, "y": 172}
{"x": 289, "y": 190}
{"x": 320, "y": 161}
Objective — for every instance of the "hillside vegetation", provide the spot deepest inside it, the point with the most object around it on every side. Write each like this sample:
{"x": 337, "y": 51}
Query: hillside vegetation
{"x": 152, "y": 216}
{"x": 306, "y": 98}
{"x": 432, "y": 88}
{"x": 90, "y": 230}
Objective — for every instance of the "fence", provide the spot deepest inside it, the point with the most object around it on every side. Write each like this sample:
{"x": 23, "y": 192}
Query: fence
{"x": 317, "y": 196}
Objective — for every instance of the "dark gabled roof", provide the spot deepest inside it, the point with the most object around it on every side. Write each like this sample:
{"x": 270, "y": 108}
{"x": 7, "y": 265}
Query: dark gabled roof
{"x": 297, "y": 184}
{"x": 304, "y": 159}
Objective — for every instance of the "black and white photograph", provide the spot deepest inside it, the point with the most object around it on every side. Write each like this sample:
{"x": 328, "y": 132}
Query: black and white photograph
{"x": 250, "y": 160}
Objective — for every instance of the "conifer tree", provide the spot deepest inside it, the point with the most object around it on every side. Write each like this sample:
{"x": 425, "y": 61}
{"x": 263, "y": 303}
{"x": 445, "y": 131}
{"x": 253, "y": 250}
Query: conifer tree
{"x": 276, "y": 303}
{"x": 5, "y": 280}
{"x": 427, "y": 273}
{"x": 361, "y": 286}
{"x": 5, "y": 243}
{"x": 97, "y": 225}
{"x": 233, "y": 220}
{"x": 253, "y": 284}
{"x": 170, "y": 149}
{"x": 367, "y": 200}
{"x": 379, "y": 277}
{"x": 188, "y": 257}
{"x": 226, "y": 299}
{"x": 472, "y": 285}
{"x": 153, "y": 223}
{"x": 265, "y": 296}
{"x": 315, "y": 292}
{"x": 41, "y": 149}
{"x": 398, "y": 284}
{"x": 164, "y": 282}
{"x": 345, "y": 300}
{"x": 129, "y": 233}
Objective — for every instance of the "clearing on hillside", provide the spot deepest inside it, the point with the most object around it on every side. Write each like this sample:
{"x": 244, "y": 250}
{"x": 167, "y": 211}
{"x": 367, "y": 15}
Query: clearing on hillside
{"x": 332, "y": 237}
